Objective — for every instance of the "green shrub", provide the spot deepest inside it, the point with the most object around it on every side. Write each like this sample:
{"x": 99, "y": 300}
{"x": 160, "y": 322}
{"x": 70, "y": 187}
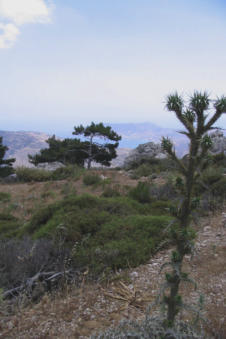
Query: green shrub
{"x": 48, "y": 194}
{"x": 5, "y": 197}
{"x": 40, "y": 218}
{"x": 71, "y": 171}
{"x": 9, "y": 225}
{"x": 91, "y": 179}
{"x": 219, "y": 160}
{"x": 6, "y": 170}
{"x": 211, "y": 176}
{"x": 122, "y": 242}
{"x": 141, "y": 192}
{"x": 161, "y": 207}
{"x": 68, "y": 188}
{"x": 145, "y": 167}
{"x": 209, "y": 179}
{"x": 144, "y": 170}
{"x": 166, "y": 191}
{"x": 219, "y": 188}
{"x": 110, "y": 192}
{"x": 109, "y": 232}
{"x": 26, "y": 174}
{"x": 74, "y": 210}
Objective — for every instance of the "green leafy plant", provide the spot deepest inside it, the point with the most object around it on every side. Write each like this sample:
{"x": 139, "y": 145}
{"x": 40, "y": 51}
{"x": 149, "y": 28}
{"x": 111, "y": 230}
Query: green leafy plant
{"x": 109, "y": 233}
{"x": 9, "y": 225}
{"x": 5, "y": 197}
{"x": 91, "y": 179}
{"x": 141, "y": 192}
{"x": 27, "y": 174}
{"x": 70, "y": 171}
{"x": 110, "y": 192}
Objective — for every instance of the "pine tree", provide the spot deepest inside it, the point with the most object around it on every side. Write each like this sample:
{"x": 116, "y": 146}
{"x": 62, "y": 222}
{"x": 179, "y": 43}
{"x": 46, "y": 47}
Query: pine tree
{"x": 67, "y": 151}
{"x": 98, "y": 151}
{"x": 6, "y": 165}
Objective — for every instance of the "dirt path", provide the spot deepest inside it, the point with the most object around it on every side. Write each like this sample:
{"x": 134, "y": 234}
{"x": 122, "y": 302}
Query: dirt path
{"x": 93, "y": 307}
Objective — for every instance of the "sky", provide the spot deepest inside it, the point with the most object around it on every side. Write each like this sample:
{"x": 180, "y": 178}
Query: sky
{"x": 70, "y": 62}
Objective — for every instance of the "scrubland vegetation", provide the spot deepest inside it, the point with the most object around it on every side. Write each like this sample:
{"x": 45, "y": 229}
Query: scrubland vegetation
{"x": 83, "y": 223}
{"x": 73, "y": 225}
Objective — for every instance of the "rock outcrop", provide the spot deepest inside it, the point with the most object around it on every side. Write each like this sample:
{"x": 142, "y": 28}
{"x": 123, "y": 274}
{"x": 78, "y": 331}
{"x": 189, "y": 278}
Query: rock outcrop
{"x": 144, "y": 152}
{"x": 219, "y": 142}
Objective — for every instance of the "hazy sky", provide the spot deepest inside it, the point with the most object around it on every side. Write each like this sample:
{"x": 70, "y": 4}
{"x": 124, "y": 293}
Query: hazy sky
{"x": 66, "y": 62}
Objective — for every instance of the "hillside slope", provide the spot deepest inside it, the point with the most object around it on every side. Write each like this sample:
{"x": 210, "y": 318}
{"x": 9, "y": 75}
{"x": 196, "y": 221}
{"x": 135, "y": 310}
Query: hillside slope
{"x": 22, "y": 143}
{"x": 83, "y": 311}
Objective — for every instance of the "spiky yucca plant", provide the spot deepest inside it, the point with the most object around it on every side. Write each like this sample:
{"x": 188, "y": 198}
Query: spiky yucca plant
{"x": 194, "y": 117}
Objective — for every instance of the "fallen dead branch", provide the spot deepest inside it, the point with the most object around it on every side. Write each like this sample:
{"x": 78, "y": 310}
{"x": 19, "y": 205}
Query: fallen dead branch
{"x": 48, "y": 281}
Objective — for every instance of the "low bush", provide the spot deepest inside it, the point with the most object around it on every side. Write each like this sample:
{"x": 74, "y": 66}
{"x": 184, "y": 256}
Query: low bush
{"x": 141, "y": 192}
{"x": 74, "y": 210}
{"x": 123, "y": 242}
{"x": 91, "y": 179}
{"x": 110, "y": 192}
{"x": 166, "y": 191}
{"x": 71, "y": 171}
{"x": 68, "y": 189}
{"x": 5, "y": 171}
{"x": 144, "y": 167}
{"x": 211, "y": 176}
{"x": 5, "y": 197}
{"x": 210, "y": 179}
{"x": 9, "y": 225}
{"x": 47, "y": 194}
{"x": 219, "y": 188}
{"x": 108, "y": 232}
{"x": 144, "y": 170}
{"x": 161, "y": 207}
{"x": 219, "y": 160}
{"x": 26, "y": 174}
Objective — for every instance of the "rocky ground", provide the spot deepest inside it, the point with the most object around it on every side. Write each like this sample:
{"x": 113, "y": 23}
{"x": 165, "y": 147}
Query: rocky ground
{"x": 80, "y": 312}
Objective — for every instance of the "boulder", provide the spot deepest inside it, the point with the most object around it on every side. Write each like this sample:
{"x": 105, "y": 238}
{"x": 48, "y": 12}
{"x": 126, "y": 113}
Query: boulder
{"x": 147, "y": 151}
{"x": 219, "y": 142}
{"x": 50, "y": 166}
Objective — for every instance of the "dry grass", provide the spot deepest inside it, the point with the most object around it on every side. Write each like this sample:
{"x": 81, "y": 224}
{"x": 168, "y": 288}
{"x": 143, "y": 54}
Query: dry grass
{"x": 26, "y": 198}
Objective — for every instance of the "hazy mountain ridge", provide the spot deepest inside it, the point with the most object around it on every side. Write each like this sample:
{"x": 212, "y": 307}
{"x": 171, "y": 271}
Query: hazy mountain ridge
{"x": 135, "y": 134}
{"x": 22, "y": 143}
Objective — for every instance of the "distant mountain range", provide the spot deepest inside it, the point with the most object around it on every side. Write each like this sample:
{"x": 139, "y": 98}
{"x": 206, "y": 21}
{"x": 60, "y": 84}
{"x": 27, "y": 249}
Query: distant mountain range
{"x": 22, "y": 143}
{"x": 135, "y": 134}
